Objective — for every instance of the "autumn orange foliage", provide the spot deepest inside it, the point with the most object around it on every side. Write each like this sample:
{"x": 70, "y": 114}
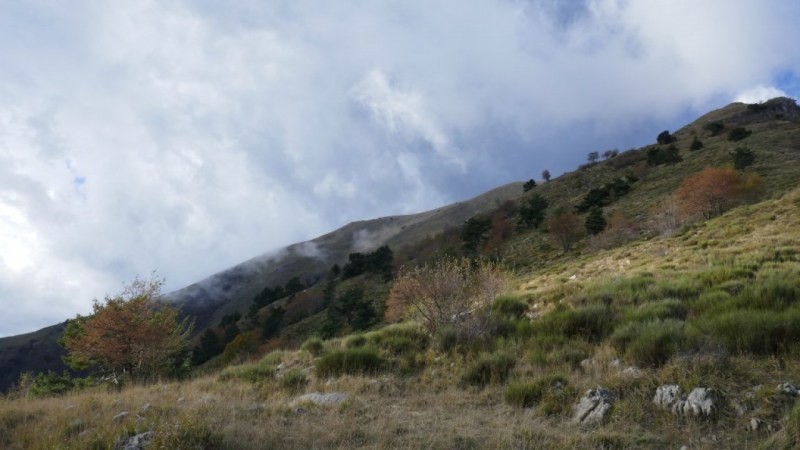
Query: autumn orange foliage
{"x": 128, "y": 335}
{"x": 713, "y": 190}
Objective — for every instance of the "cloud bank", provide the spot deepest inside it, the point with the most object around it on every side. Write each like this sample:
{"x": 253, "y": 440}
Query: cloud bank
{"x": 188, "y": 136}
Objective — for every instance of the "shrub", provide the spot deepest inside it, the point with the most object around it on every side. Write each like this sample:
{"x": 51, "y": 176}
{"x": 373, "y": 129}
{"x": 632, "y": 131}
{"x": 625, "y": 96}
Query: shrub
{"x": 446, "y": 293}
{"x": 488, "y": 369}
{"x": 657, "y": 156}
{"x": 755, "y": 331}
{"x": 696, "y": 144}
{"x": 659, "y": 310}
{"x": 771, "y": 293}
{"x": 51, "y": 384}
{"x": 738, "y": 133}
{"x": 509, "y": 307}
{"x": 665, "y": 138}
{"x": 525, "y": 394}
{"x": 313, "y": 345}
{"x": 651, "y": 343}
{"x": 400, "y": 339}
{"x": 714, "y": 127}
{"x": 355, "y": 341}
{"x": 254, "y": 373}
{"x": 595, "y": 222}
{"x": 354, "y": 361}
{"x": 591, "y": 323}
{"x": 294, "y": 380}
{"x": 743, "y": 158}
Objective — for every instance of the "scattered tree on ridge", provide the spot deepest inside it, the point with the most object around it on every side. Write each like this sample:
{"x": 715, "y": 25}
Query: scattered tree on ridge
{"x": 131, "y": 334}
{"x": 664, "y": 138}
{"x": 593, "y": 157}
{"x": 546, "y": 175}
{"x": 530, "y": 184}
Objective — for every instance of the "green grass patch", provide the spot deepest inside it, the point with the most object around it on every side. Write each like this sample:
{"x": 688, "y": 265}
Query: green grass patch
{"x": 353, "y": 361}
{"x": 759, "y": 332}
{"x": 528, "y": 393}
{"x": 647, "y": 344}
{"x": 591, "y": 323}
{"x": 488, "y": 369}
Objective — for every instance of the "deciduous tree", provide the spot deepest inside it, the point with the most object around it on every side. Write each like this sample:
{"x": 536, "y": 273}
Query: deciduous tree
{"x": 709, "y": 192}
{"x": 566, "y": 229}
{"x": 132, "y": 334}
{"x": 446, "y": 294}
{"x": 546, "y": 175}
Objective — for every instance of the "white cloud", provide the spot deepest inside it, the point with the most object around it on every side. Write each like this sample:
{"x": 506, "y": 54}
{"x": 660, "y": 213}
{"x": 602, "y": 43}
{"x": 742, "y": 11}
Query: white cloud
{"x": 759, "y": 94}
{"x": 187, "y": 137}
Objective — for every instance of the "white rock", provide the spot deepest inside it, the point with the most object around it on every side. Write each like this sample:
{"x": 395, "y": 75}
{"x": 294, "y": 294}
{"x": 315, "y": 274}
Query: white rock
{"x": 667, "y": 395}
{"x": 594, "y": 406}
{"x": 789, "y": 388}
{"x": 320, "y": 399}
{"x": 702, "y": 402}
{"x": 120, "y": 417}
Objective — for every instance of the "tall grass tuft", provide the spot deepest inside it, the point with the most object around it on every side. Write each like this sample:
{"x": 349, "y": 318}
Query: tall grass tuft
{"x": 353, "y": 361}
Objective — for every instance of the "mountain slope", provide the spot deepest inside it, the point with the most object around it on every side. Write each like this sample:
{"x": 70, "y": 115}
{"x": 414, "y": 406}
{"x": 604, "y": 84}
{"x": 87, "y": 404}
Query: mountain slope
{"x": 774, "y": 138}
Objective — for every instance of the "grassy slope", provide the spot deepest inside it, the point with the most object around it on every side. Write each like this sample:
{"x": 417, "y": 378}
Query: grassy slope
{"x": 420, "y": 401}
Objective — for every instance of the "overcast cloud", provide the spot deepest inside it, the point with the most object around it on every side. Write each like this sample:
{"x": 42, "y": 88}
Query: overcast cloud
{"x": 188, "y": 136}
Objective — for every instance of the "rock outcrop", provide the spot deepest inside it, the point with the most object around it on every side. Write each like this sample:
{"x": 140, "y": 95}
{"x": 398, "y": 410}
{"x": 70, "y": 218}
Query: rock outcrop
{"x": 594, "y": 407}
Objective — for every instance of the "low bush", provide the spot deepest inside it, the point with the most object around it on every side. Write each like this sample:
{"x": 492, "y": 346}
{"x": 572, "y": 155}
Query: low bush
{"x": 488, "y": 369}
{"x": 313, "y": 345}
{"x": 355, "y": 341}
{"x": 760, "y": 332}
{"x": 254, "y": 373}
{"x": 659, "y": 310}
{"x": 591, "y": 323}
{"x": 294, "y": 381}
{"x": 354, "y": 361}
{"x": 400, "y": 339}
{"x": 771, "y": 293}
{"x": 525, "y": 394}
{"x": 51, "y": 384}
{"x": 648, "y": 344}
{"x": 509, "y": 307}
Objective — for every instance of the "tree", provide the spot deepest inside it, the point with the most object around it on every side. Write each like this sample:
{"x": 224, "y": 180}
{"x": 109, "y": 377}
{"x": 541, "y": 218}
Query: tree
{"x": 272, "y": 324}
{"x": 474, "y": 233}
{"x": 131, "y": 334}
{"x": 546, "y": 175}
{"x": 743, "y": 157}
{"x": 738, "y": 133}
{"x": 531, "y": 213}
{"x": 209, "y": 347}
{"x": 665, "y": 138}
{"x": 450, "y": 293}
{"x": 593, "y": 157}
{"x": 657, "y": 156}
{"x": 566, "y": 229}
{"x": 608, "y": 154}
{"x": 530, "y": 184}
{"x": 709, "y": 192}
{"x": 665, "y": 217}
{"x": 595, "y": 222}
{"x": 697, "y": 144}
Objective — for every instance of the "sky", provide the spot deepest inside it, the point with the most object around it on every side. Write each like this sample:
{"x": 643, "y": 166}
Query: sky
{"x": 185, "y": 137}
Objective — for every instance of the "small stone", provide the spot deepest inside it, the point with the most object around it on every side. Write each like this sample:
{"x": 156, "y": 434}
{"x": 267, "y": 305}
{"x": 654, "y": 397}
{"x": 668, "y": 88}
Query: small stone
{"x": 120, "y": 417}
{"x": 756, "y": 424}
{"x": 789, "y": 388}
{"x": 136, "y": 442}
{"x": 320, "y": 399}
{"x": 144, "y": 408}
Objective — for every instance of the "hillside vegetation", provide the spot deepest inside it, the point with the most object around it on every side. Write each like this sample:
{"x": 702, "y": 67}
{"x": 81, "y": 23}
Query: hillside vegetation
{"x": 659, "y": 303}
